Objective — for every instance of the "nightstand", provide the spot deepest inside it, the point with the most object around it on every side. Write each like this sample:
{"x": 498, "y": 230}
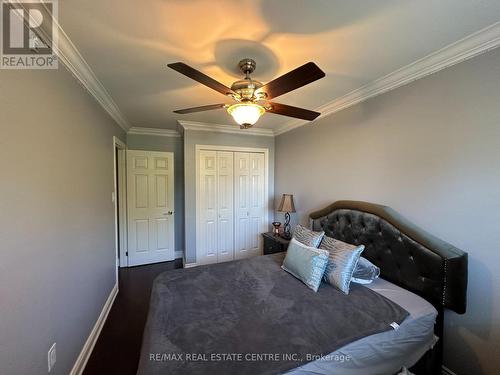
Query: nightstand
{"x": 274, "y": 244}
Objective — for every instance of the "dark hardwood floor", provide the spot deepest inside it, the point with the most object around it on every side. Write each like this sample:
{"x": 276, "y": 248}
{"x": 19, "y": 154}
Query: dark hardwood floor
{"x": 118, "y": 347}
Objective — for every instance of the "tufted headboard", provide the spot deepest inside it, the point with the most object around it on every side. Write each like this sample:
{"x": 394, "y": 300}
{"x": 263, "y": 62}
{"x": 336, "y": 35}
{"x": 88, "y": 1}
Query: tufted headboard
{"x": 406, "y": 254}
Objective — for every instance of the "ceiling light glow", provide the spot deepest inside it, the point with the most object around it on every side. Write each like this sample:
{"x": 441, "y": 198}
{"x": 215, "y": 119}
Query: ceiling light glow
{"x": 246, "y": 114}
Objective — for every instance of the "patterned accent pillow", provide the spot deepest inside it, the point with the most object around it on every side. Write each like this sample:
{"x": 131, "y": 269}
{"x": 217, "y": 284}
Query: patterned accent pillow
{"x": 307, "y": 236}
{"x": 365, "y": 272}
{"x": 342, "y": 262}
{"x": 306, "y": 263}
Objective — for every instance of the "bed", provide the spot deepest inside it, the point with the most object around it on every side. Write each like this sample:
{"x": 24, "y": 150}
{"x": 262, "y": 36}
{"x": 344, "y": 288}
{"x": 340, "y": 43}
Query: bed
{"x": 251, "y": 317}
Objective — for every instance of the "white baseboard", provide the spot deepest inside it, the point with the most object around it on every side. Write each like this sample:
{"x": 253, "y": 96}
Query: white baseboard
{"x": 188, "y": 265}
{"x": 447, "y": 371}
{"x": 84, "y": 355}
{"x": 179, "y": 254}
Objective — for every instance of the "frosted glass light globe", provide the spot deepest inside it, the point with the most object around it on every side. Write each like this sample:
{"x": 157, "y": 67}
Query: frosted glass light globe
{"x": 246, "y": 113}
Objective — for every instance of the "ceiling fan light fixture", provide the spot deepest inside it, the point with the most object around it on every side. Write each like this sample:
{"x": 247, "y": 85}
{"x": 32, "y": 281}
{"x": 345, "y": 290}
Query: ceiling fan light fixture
{"x": 247, "y": 92}
{"x": 246, "y": 114}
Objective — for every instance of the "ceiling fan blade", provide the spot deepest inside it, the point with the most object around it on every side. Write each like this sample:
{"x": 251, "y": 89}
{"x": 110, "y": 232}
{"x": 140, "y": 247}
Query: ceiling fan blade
{"x": 200, "y": 109}
{"x": 200, "y": 77}
{"x": 292, "y": 80}
{"x": 288, "y": 110}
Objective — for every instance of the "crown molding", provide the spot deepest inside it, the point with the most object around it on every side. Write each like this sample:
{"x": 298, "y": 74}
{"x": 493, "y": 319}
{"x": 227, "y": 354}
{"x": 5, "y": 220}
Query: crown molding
{"x": 472, "y": 45}
{"x": 72, "y": 59}
{"x": 70, "y": 56}
{"x": 135, "y": 130}
{"x": 219, "y": 128}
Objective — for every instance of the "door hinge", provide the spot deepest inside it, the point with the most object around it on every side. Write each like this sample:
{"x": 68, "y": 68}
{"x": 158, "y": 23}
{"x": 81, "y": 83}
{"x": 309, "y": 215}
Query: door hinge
{"x": 126, "y": 253}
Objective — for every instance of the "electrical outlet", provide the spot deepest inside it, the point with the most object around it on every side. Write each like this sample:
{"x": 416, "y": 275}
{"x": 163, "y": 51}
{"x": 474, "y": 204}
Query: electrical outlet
{"x": 51, "y": 357}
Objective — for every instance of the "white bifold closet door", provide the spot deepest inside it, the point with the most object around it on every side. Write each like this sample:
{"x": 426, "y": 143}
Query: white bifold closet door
{"x": 225, "y": 205}
{"x": 216, "y": 220}
{"x": 231, "y": 205}
{"x": 249, "y": 203}
{"x": 150, "y": 202}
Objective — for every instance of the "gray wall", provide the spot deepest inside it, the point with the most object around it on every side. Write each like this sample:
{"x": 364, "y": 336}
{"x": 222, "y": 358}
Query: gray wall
{"x": 191, "y": 139}
{"x": 168, "y": 144}
{"x": 57, "y": 264}
{"x": 430, "y": 150}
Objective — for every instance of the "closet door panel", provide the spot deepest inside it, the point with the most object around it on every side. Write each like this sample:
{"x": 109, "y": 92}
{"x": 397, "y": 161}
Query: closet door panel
{"x": 242, "y": 208}
{"x": 225, "y": 178}
{"x": 257, "y": 202}
{"x": 208, "y": 201}
{"x": 250, "y": 203}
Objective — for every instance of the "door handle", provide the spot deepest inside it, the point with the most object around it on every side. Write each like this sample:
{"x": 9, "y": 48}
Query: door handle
{"x": 168, "y": 213}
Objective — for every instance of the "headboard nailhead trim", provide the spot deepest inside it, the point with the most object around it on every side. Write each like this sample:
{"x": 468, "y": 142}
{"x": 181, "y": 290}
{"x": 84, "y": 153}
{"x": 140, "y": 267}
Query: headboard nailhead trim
{"x": 444, "y": 283}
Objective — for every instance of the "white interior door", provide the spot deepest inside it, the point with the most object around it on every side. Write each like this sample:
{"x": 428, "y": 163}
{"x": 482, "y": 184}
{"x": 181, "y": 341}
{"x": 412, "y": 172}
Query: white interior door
{"x": 150, "y": 203}
{"x": 231, "y": 205}
{"x": 250, "y": 203}
{"x": 225, "y": 203}
{"x": 215, "y": 207}
{"x": 241, "y": 204}
{"x": 257, "y": 202}
{"x": 207, "y": 208}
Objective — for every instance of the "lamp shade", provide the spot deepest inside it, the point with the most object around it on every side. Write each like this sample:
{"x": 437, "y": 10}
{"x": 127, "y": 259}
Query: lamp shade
{"x": 286, "y": 204}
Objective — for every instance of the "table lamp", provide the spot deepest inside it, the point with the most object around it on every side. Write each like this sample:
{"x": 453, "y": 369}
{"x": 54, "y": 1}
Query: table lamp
{"x": 286, "y": 206}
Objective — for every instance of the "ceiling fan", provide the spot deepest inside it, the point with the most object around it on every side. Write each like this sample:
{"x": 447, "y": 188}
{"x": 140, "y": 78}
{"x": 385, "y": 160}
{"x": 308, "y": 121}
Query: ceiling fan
{"x": 251, "y": 96}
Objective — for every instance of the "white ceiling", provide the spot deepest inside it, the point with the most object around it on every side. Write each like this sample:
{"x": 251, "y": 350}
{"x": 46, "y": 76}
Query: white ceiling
{"x": 128, "y": 43}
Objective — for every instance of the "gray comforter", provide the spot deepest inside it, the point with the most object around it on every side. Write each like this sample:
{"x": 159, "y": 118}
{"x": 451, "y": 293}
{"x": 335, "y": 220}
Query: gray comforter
{"x": 251, "y": 317}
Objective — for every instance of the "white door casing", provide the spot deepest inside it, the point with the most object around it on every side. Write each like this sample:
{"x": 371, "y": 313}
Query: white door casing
{"x": 119, "y": 198}
{"x": 150, "y": 203}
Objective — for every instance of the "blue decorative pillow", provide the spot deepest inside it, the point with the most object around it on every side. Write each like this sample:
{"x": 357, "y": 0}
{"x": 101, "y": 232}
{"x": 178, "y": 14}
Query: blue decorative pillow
{"x": 307, "y": 236}
{"x": 306, "y": 263}
{"x": 342, "y": 262}
{"x": 365, "y": 272}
